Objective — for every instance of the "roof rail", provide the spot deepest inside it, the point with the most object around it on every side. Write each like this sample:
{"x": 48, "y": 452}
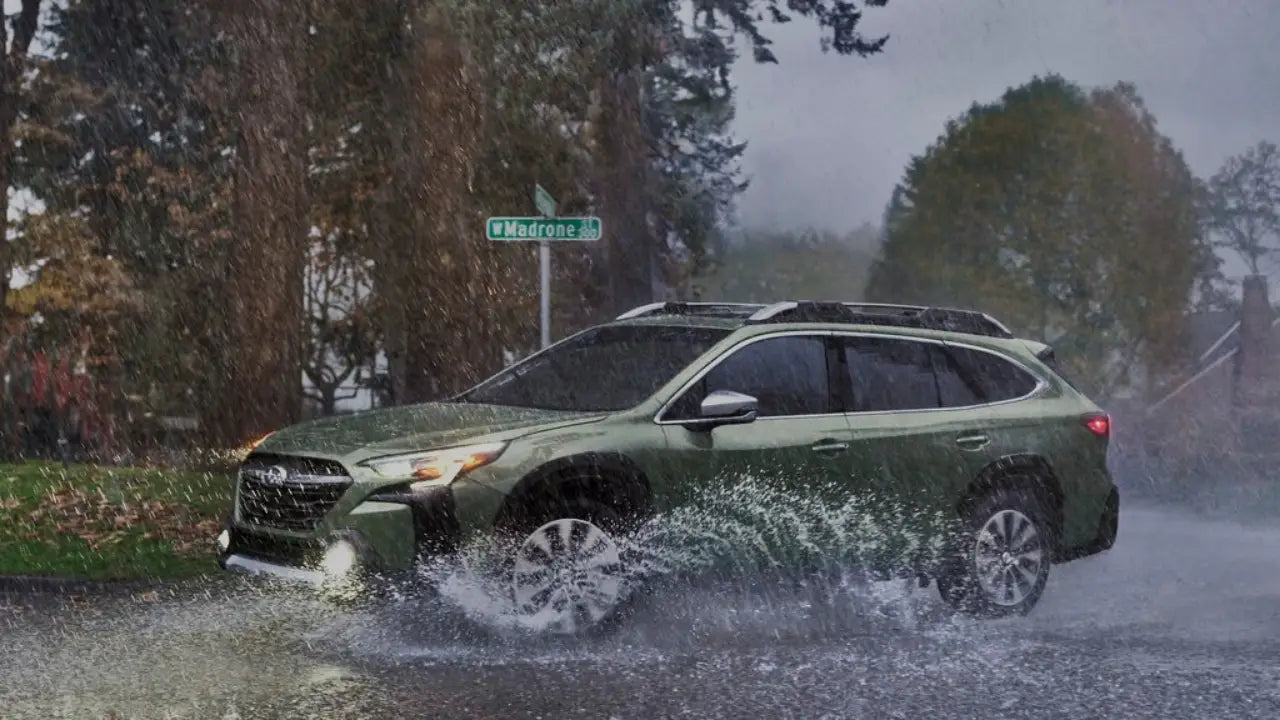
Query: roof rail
{"x": 971, "y": 322}
{"x": 917, "y": 316}
{"x": 723, "y": 309}
{"x": 770, "y": 311}
{"x": 649, "y": 309}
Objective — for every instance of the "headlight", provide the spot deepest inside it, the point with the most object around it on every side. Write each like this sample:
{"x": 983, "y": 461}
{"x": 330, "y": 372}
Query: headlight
{"x": 440, "y": 467}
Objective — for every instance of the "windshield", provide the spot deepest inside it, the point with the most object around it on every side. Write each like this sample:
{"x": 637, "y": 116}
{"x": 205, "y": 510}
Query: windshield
{"x": 603, "y": 369}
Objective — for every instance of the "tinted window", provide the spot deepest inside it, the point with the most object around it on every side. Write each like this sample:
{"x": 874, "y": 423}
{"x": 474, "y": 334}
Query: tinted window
{"x": 995, "y": 379}
{"x": 888, "y": 374}
{"x": 604, "y": 369}
{"x": 954, "y": 387}
{"x": 788, "y": 375}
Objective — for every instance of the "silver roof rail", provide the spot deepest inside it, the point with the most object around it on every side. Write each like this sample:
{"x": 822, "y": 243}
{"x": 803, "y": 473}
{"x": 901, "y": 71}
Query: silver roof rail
{"x": 769, "y": 311}
{"x": 642, "y": 310}
{"x": 998, "y": 324}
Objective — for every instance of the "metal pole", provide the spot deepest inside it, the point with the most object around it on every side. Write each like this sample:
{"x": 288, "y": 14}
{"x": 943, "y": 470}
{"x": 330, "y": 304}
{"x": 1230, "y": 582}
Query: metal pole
{"x": 544, "y": 263}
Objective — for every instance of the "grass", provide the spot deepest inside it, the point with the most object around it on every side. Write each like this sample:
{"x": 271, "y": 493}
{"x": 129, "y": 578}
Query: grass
{"x": 107, "y": 523}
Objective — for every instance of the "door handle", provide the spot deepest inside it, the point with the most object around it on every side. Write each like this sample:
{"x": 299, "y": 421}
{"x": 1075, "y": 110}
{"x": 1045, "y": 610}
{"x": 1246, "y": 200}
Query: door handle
{"x": 973, "y": 442}
{"x": 830, "y": 447}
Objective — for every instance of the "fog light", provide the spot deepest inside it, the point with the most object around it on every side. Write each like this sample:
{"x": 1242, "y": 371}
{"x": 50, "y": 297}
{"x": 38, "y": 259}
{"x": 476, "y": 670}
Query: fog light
{"x": 224, "y": 541}
{"x": 340, "y": 558}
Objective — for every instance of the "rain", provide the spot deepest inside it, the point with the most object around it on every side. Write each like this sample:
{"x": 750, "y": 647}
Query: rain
{"x": 639, "y": 359}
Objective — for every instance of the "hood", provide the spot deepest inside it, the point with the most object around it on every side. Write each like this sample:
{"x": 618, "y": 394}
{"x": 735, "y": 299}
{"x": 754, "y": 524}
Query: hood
{"x": 411, "y": 428}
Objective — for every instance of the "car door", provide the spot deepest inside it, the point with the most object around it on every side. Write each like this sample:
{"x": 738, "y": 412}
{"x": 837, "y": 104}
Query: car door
{"x": 980, "y": 388}
{"x": 906, "y": 446}
{"x": 799, "y": 440}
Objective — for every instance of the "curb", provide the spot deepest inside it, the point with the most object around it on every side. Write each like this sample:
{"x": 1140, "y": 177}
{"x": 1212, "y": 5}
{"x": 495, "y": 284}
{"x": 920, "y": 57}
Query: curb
{"x": 21, "y": 585}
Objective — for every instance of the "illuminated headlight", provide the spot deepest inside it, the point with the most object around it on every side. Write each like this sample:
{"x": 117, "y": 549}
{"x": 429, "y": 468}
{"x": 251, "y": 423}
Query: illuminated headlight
{"x": 224, "y": 541}
{"x": 436, "y": 468}
{"x": 339, "y": 559}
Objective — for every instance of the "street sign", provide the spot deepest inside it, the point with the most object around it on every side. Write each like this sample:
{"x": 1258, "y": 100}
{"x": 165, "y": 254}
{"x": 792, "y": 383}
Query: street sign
{"x": 543, "y": 201}
{"x": 544, "y": 230}
{"x": 586, "y": 229}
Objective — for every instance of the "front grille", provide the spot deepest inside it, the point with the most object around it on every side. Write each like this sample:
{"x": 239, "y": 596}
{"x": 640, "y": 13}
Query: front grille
{"x": 289, "y": 493}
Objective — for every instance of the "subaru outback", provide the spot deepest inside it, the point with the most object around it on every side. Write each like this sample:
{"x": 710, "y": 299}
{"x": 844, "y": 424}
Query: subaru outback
{"x": 943, "y": 409}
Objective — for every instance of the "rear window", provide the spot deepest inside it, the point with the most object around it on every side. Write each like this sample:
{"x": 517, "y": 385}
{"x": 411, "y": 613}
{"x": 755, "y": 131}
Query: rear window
{"x": 991, "y": 377}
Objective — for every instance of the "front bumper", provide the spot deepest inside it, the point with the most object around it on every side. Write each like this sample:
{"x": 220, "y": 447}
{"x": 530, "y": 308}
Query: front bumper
{"x": 390, "y": 532}
{"x": 249, "y": 565}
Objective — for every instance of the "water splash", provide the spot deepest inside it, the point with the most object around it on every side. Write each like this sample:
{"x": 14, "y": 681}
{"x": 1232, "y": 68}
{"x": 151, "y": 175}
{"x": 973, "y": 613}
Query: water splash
{"x": 748, "y": 531}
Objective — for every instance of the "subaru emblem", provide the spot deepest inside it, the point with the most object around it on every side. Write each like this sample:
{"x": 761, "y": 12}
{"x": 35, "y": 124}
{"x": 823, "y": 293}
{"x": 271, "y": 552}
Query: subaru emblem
{"x": 276, "y": 475}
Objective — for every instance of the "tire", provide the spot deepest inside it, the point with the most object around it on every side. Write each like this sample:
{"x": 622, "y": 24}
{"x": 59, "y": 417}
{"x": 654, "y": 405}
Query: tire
{"x": 586, "y": 572}
{"x": 985, "y": 577}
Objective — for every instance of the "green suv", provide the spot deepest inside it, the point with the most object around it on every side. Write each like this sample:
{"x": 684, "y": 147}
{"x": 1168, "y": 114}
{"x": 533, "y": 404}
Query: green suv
{"x": 942, "y": 410}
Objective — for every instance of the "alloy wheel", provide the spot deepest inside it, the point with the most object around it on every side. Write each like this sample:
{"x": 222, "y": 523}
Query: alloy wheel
{"x": 1009, "y": 554}
{"x": 567, "y": 576}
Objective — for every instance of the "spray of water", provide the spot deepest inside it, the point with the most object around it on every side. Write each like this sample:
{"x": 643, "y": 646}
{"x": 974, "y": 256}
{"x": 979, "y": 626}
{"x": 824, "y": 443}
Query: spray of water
{"x": 748, "y": 531}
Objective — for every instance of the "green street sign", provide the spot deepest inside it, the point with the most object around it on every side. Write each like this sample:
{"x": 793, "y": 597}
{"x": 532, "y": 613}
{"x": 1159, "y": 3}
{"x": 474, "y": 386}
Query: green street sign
{"x": 543, "y": 201}
{"x": 585, "y": 229}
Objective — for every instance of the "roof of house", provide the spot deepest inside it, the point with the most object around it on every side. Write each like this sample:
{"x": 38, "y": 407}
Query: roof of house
{"x": 1215, "y": 337}
{"x": 1212, "y": 335}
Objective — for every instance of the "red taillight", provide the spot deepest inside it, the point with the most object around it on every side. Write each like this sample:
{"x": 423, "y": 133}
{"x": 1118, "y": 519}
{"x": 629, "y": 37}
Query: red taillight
{"x": 1099, "y": 425}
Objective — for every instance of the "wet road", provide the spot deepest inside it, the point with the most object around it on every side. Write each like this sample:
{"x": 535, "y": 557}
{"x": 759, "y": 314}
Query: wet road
{"x": 1180, "y": 620}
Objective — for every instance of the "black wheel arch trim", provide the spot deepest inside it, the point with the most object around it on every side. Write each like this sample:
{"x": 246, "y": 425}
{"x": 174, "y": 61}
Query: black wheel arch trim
{"x": 1000, "y": 472}
{"x": 623, "y": 483}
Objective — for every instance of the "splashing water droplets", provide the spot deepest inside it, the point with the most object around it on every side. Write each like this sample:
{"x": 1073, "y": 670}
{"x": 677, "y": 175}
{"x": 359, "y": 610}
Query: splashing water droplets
{"x": 750, "y": 532}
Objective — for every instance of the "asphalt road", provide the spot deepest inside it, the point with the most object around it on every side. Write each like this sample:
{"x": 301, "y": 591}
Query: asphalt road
{"x": 1180, "y": 620}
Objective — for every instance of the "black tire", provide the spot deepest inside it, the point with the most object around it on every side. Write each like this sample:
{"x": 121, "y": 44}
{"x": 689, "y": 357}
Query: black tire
{"x": 960, "y": 583}
{"x": 602, "y": 515}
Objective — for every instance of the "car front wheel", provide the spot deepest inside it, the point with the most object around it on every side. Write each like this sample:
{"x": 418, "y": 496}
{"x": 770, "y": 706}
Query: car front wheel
{"x": 567, "y": 574}
{"x": 1003, "y": 557}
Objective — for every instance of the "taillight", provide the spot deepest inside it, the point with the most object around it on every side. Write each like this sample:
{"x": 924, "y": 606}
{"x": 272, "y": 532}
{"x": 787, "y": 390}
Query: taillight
{"x": 1099, "y": 425}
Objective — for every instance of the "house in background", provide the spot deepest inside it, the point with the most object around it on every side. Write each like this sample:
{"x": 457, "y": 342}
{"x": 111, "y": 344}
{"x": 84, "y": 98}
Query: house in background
{"x": 1229, "y": 403}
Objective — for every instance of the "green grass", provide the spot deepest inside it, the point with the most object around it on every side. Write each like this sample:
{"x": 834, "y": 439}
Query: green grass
{"x": 106, "y": 523}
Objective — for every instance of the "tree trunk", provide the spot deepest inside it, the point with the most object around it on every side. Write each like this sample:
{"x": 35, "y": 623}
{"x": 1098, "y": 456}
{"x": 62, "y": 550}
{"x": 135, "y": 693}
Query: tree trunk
{"x": 13, "y": 63}
{"x": 629, "y": 240}
{"x": 434, "y": 275}
{"x": 262, "y": 363}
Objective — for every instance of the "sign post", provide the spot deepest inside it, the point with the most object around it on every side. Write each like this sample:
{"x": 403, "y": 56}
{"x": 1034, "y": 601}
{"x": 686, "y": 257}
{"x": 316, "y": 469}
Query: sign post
{"x": 544, "y": 230}
{"x": 547, "y": 206}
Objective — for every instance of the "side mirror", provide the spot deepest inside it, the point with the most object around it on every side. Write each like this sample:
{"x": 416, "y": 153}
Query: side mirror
{"x": 725, "y": 407}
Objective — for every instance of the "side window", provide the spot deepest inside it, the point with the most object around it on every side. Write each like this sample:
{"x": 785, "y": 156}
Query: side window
{"x": 889, "y": 374}
{"x": 994, "y": 378}
{"x": 788, "y": 375}
{"x": 955, "y": 388}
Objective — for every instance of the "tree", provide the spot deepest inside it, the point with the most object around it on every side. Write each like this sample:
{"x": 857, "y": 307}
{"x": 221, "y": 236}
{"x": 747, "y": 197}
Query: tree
{"x": 650, "y": 40}
{"x": 261, "y": 363}
{"x": 339, "y": 339}
{"x": 1243, "y": 206}
{"x": 127, "y": 137}
{"x": 1064, "y": 213}
{"x": 13, "y": 70}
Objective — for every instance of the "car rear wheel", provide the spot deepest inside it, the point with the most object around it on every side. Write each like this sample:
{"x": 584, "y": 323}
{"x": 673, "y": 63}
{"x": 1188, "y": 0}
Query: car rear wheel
{"x": 567, "y": 573}
{"x": 1003, "y": 556}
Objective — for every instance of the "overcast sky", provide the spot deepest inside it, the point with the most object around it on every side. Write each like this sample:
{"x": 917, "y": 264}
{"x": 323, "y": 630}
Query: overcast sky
{"x": 829, "y": 136}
